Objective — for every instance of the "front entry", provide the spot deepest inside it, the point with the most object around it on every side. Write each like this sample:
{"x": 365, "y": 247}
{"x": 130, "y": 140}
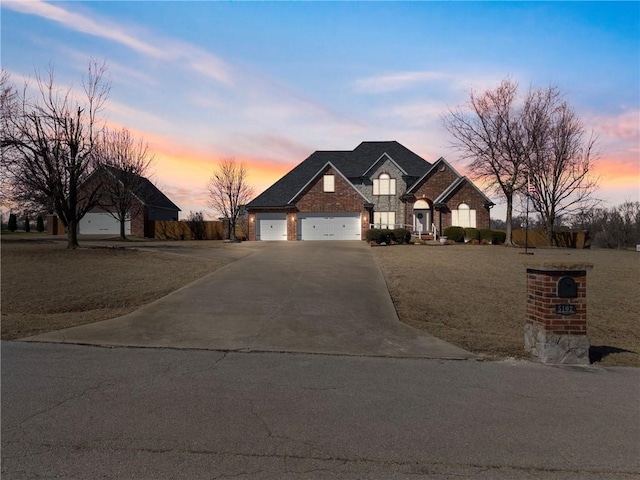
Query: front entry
{"x": 422, "y": 217}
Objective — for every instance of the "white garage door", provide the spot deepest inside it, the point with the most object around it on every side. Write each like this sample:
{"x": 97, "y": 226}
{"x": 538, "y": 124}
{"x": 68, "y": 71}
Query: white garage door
{"x": 101, "y": 223}
{"x": 272, "y": 226}
{"x": 329, "y": 226}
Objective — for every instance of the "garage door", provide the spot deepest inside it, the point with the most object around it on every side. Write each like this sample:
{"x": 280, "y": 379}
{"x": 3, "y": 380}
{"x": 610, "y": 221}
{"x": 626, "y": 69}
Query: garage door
{"x": 329, "y": 226}
{"x": 101, "y": 223}
{"x": 272, "y": 226}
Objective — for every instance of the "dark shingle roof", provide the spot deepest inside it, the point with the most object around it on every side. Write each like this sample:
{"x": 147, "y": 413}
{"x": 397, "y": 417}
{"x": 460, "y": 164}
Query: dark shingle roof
{"x": 352, "y": 164}
{"x": 146, "y": 191}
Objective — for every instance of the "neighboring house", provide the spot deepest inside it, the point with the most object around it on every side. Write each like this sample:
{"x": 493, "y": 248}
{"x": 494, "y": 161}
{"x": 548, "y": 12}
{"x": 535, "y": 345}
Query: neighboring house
{"x": 149, "y": 204}
{"x": 339, "y": 195}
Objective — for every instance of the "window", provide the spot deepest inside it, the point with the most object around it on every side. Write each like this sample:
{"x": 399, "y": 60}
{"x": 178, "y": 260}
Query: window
{"x": 329, "y": 183}
{"x": 463, "y": 216}
{"x": 384, "y": 185}
{"x": 384, "y": 219}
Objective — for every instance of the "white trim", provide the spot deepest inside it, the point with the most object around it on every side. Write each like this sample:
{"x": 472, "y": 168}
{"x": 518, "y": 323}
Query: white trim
{"x": 315, "y": 177}
{"x": 385, "y": 154}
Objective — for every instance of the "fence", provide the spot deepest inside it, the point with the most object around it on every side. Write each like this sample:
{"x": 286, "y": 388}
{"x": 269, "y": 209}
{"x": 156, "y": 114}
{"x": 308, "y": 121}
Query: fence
{"x": 538, "y": 238}
{"x": 180, "y": 230}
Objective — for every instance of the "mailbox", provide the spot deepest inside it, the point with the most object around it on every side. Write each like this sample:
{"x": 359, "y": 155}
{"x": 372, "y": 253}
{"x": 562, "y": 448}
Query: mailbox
{"x": 567, "y": 288}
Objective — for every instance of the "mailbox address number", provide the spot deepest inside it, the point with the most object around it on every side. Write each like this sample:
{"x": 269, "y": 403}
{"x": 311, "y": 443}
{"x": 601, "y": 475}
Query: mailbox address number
{"x": 566, "y": 309}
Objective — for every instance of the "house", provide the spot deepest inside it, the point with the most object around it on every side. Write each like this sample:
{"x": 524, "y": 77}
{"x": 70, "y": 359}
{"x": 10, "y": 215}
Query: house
{"x": 339, "y": 195}
{"x": 148, "y": 204}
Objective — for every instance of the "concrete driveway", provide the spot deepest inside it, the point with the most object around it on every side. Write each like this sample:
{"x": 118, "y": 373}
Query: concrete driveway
{"x": 312, "y": 297}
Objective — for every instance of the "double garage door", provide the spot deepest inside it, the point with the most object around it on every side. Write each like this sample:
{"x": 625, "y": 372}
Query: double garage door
{"x": 311, "y": 226}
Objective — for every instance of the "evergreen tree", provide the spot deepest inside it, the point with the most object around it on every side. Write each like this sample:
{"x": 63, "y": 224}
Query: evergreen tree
{"x": 13, "y": 222}
{"x": 40, "y": 224}
{"x": 27, "y": 225}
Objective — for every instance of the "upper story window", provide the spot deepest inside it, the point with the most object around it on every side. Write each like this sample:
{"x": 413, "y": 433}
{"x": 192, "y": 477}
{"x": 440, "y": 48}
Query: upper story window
{"x": 384, "y": 185}
{"x": 329, "y": 183}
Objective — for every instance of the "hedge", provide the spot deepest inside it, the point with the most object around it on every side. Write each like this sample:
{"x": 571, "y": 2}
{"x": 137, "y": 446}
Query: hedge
{"x": 455, "y": 234}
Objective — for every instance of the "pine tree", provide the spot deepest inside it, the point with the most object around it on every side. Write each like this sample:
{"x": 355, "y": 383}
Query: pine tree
{"x": 27, "y": 225}
{"x": 13, "y": 222}
{"x": 40, "y": 223}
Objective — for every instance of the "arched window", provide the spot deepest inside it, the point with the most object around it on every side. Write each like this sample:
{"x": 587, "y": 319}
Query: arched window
{"x": 464, "y": 216}
{"x": 384, "y": 185}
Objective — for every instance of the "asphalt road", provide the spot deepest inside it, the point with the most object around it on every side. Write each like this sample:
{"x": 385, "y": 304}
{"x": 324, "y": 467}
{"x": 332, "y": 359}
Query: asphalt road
{"x": 83, "y": 412}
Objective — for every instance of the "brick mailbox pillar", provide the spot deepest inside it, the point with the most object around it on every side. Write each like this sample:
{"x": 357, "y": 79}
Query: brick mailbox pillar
{"x": 556, "y": 324}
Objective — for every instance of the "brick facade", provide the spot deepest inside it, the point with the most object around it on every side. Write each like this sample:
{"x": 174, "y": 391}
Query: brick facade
{"x": 552, "y": 335}
{"x": 345, "y": 198}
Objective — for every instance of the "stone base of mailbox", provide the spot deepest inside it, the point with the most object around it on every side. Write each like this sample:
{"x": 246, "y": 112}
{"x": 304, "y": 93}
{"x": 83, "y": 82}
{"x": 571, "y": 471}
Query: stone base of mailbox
{"x": 556, "y": 328}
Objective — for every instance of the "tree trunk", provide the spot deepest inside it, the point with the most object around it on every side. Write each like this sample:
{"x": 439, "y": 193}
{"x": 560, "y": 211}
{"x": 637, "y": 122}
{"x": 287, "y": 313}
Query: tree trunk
{"x": 509, "y": 234}
{"x": 72, "y": 235}
{"x": 549, "y": 231}
{"x": 122, "y": 232}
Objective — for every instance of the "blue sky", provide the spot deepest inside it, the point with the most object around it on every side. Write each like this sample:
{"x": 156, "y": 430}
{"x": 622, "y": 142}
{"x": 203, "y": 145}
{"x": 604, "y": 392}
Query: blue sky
{"x": 268, "y": 83}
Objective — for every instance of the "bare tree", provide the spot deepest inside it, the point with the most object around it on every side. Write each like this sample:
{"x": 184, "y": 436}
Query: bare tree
{"x": 561, "y": 165}
{"x": 49, "y": 142}
{"x": 229, "y": 191}
{"x": 124, "y": 162}
{"x": 489, "y": 131}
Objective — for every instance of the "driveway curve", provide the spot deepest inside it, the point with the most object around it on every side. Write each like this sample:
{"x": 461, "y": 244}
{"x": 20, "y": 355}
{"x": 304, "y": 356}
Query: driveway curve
{"x": 311, "y": 297}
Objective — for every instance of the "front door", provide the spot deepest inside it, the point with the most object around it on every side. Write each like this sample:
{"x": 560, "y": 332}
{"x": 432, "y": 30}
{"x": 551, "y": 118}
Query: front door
{"x": 422, "y": 220}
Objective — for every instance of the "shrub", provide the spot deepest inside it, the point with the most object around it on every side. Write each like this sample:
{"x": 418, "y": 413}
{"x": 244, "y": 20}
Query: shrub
{"x": 455, "y": 234}
{"x": 40, "y": 223}
{"x": 485, "y": 235}
{"x": 498, "y": 238}
{"x": 379, "y": 235}
{"x": 197, "y": 226}
{"x": 13, "y": 222}
{"x": 27, "y": 224}
{"x": 402, "y": 235}
{"x": 471, "y": 234}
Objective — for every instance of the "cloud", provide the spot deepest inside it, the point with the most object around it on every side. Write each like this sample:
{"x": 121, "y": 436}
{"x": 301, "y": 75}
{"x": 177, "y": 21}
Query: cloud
{"x": 84, "y": 24}
{"x": 396, "y": 81}
{"x": 194, "y": 58}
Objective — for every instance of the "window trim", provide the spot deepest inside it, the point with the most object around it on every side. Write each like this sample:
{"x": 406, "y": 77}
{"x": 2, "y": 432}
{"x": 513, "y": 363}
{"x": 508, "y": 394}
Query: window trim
{"x": 384, "y": 185}
{"x": 329, "y": 183}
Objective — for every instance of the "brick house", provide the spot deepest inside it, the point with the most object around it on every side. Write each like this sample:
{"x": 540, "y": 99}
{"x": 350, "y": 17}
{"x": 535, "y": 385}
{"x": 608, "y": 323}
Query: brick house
{"x": 339, "y": 195}
{"x": 148, "y": 204}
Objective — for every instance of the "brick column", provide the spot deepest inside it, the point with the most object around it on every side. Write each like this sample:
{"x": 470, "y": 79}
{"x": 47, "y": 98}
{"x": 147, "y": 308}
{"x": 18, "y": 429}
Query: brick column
{"x": 556, "y": 323}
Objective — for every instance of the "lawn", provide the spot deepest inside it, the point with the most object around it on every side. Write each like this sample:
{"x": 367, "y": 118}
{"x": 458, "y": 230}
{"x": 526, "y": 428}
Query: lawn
{"x": 46, "y": 287}
{"x": 470, "y": 295}
{"x": 474, "y": 296}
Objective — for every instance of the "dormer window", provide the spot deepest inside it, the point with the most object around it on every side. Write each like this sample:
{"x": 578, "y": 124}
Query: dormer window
{"x": 384, "y": 185}
{"x": 329, "y": 183}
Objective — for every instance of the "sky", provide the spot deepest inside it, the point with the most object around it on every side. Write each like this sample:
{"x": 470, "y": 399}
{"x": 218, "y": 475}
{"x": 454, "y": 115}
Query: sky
{"x": 269, "y": 83}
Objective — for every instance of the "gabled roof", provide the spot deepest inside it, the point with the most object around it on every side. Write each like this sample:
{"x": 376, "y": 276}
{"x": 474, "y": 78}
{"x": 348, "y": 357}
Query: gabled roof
{"x": 432, "y": 169}
{"x": 144, "y": 190}
{"x": 350, "y": 164}
{"x": 317, "y": 175}
{"x": 450, "y": 190}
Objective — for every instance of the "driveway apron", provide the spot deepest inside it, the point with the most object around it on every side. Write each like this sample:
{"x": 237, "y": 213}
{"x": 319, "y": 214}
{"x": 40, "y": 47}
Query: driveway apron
{"x": 312, "y": 297}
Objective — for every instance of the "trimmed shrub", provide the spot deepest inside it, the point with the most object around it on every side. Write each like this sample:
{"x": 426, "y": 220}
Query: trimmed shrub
{"x": 402, "y": 235}
{"x": 380, "y": 235}
{"x": 455, "y": 234}
{"x": 485, "y": 235}
{"x": 498, "y": 238}
{"x": 471, "y": 234}
{"x": 27, "y": 224}
{"x": 40, "y": 224}
{"x": 13, "y": 222}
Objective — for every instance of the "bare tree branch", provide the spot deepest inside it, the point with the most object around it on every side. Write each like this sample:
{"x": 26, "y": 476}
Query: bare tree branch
{"x": 229, "y": 191}
{"x": 49, "y": 144}
{"x": 124, "y": 162}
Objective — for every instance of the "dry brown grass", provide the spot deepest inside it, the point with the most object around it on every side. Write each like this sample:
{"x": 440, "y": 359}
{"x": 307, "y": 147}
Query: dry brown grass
{"x": 46, "y": 287}
{"x": 474, "y": 296}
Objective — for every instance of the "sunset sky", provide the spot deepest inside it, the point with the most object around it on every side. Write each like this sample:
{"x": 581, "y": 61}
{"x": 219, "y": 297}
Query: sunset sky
{"x": 268, "y": 83}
